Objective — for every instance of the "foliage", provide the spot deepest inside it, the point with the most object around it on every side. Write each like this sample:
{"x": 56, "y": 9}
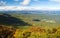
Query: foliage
{"x": 38, "y": 32}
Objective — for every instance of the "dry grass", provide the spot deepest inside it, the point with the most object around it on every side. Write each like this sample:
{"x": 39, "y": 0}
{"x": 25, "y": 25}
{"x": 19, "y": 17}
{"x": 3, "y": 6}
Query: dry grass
{"x": 6, "y": 32}
{"x": 38, "y": 32}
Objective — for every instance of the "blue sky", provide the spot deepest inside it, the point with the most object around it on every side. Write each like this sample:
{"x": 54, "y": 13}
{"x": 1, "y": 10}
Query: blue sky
{"x": 42, "y": 4}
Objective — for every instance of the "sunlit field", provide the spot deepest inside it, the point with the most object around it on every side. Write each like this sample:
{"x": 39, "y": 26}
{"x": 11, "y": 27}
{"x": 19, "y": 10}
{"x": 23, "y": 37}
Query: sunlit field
{"x": 17, "y": 25}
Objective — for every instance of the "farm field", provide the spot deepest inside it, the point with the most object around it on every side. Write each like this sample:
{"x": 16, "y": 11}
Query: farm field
{"x": 29, "y": 26}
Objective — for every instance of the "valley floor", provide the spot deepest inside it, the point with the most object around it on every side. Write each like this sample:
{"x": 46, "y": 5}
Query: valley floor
{"x": 29, "y": 26}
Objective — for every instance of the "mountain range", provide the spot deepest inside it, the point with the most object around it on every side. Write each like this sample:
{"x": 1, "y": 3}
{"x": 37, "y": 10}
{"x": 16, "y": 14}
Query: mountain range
{"x": 33, "y": 12}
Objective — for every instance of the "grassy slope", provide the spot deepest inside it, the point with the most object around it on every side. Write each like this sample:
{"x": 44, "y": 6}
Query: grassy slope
{"x": 38, "y": 29}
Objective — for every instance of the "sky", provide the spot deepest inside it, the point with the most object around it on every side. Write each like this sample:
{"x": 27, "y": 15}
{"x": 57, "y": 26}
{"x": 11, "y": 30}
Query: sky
{"x": 29, "y": 5}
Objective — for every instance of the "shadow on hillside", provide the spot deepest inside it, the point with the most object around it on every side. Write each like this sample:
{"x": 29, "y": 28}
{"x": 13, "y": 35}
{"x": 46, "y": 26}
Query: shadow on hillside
{"x": 6, "y": 32}
{"x": 6, "y": 19}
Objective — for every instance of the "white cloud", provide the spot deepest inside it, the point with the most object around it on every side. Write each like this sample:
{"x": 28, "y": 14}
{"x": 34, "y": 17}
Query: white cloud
{"x": 2, "y": 3}
{"x": 8, "y": 8}
{"x": 25, "y": 2}
{"x": 27, "y": 8}
{"x": 18, "y": 8}
{"x": 55, "y": 0}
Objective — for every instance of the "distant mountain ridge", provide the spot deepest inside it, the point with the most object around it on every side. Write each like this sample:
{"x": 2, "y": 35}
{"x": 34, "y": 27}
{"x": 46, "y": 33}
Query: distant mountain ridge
{"x": 33, "y": 12}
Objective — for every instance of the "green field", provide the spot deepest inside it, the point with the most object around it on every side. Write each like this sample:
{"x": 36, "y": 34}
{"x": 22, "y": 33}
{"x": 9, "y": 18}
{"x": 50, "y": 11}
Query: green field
{"x": 42, "y": 17}
{"x": 34, "y": 25}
